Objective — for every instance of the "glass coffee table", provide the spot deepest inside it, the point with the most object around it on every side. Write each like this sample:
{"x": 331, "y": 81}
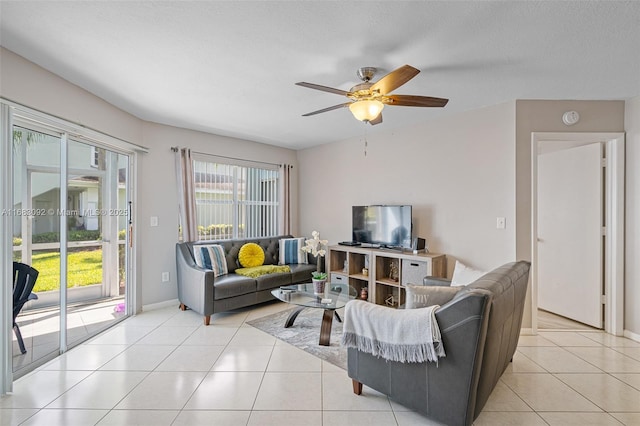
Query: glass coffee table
{"x": 335, "y": 296}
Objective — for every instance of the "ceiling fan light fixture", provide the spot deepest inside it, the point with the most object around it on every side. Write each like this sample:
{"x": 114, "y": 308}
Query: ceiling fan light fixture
{"x": 366, "y": 110}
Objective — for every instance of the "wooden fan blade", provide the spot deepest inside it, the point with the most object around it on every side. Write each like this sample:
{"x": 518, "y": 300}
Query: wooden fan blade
{"x": 331, "y": 108}
{"x": 416, "y": 101}
{"x": 376, "y": 120}
{"x": 323, "y": 88}
{"x": 395, "y": 79}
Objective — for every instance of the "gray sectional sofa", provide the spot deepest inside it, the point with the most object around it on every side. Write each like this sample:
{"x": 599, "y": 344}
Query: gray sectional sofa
{"x": 205, "y": 294}
{"x": 480, "y": 327}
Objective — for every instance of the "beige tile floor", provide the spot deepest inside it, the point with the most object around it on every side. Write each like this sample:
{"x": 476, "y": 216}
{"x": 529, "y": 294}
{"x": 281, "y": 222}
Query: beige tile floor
{"x": 164, "y": 367}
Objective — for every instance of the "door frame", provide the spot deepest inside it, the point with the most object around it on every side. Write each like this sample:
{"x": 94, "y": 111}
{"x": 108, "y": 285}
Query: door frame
{"x": 614, "y": 220}
{"x": 6, "y": 252}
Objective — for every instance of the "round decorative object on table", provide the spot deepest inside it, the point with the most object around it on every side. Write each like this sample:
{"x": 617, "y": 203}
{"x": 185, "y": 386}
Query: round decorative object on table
{"x": 318, "y": 286}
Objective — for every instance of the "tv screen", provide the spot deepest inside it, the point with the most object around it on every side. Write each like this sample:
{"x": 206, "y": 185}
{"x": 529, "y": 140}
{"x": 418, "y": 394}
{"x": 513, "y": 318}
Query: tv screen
{"x": 388, "y": 226}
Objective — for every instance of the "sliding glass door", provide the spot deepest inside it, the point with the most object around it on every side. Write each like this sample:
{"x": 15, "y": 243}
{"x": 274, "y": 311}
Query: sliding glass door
{"x": 71, "y": 203}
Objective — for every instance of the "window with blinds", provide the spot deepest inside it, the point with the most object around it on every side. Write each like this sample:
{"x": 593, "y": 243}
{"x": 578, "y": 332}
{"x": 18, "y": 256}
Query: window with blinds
{"x": 234, "y": 201}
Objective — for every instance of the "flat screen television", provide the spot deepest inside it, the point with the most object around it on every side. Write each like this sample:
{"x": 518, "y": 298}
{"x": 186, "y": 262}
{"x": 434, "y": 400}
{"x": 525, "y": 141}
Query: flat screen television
{"x": 388, "y": 226}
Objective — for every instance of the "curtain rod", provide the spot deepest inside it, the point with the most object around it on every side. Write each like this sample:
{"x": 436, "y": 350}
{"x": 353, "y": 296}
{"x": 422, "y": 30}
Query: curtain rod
{"x": 176, "y": 149}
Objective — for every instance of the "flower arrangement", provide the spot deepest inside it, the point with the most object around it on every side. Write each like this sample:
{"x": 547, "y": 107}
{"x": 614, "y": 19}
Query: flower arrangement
{"x": 315, "y": 246}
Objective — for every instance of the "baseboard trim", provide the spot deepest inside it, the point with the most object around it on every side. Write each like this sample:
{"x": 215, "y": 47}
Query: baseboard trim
{"x": 526, "y": 332}
{"x": 160, "y": 305}
{"x": 632, "y": 336}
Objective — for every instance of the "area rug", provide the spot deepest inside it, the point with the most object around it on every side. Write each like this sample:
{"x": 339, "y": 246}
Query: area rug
{"x": 305, "y": 333}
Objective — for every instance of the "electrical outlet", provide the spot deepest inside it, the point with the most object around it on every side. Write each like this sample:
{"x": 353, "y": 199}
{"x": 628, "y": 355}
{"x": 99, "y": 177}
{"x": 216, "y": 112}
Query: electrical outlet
{"x": 165, "y": 277}
{"x": 501, "y": 223}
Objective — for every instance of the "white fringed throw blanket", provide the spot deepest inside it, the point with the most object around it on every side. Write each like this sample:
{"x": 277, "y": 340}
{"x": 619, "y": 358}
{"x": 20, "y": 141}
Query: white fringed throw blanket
{"x": 403, "y": 335}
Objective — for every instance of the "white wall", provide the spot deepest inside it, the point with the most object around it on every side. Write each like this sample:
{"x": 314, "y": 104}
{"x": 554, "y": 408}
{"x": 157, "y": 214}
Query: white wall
{"x": 457, "y": 172}
{"x": 632, "y": 224}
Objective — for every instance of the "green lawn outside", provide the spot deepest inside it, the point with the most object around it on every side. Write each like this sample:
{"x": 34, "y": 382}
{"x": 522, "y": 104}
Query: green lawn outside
{"x": 84, "y": 268}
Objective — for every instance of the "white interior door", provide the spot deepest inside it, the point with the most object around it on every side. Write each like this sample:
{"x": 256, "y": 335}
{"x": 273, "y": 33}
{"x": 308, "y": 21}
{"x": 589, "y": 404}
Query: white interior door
{"x": 570, "y": 254}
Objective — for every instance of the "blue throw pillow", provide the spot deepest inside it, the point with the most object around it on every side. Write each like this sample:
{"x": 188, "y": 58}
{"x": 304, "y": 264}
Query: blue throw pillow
{"x": 211, "y": 257}
{"x": 291, "y": 251}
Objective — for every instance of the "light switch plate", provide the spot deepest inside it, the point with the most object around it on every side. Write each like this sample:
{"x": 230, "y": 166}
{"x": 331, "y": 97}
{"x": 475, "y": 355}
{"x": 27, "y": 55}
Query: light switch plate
{"x": 501, "y": 223}
{"x": 154, "y": 221}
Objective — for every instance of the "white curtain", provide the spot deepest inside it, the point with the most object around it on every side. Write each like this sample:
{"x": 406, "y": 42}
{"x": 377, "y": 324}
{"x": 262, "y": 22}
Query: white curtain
{"x": 285, "y": 201}
{"x": 186, "y": 194}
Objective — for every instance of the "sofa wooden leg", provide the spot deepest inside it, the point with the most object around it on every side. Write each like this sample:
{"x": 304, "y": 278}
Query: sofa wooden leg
{"x": 207, "y": 319}
{"x": 357, "y": 387}
{"x": 183, "y": 307}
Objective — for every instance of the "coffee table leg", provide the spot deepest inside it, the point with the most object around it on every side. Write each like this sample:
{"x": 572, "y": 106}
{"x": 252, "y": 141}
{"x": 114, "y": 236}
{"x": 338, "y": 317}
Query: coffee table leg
{"x": 292, "y": 317}
{"x": 325, "y": 328}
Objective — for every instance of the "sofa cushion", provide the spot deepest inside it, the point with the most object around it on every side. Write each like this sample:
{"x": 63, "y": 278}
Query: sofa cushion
{"x": 233, "y": 285}
{"x": 251, "y": 255}
{"x": 419, "y": 296}
{"x": 463, "y": 274}
{"x": 211, "y": 256}
{"x": 271, "y": 281}
{"x": 291, "y": 251}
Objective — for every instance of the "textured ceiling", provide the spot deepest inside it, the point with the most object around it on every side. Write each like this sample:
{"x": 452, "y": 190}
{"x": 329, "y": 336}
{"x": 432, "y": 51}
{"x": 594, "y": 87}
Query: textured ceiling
{"x": 229, "y": 67}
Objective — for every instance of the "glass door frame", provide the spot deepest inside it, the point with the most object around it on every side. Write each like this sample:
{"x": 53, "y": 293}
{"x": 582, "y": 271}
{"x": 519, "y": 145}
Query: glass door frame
{"x": 6, "y": 251}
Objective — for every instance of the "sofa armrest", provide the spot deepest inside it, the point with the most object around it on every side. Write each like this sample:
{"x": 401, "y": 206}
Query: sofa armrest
{"x": 436, "y": 281}
{"x": 195, "y": 285}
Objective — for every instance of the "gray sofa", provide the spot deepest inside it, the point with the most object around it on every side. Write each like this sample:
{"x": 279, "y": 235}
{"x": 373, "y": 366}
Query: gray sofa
{"x": 205, "y": 294}
{"x": 480, "y": 327}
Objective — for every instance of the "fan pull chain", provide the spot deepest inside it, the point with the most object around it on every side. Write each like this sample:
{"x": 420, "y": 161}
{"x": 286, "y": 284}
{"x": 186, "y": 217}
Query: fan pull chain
{"x": 366, "y": 143}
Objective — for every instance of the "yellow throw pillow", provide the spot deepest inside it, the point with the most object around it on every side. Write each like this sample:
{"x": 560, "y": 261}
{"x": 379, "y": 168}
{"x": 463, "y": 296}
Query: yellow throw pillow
{"x": 251, "y": 255}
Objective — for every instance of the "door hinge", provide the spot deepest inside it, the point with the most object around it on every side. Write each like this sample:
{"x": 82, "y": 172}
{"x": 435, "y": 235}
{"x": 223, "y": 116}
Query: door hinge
{"x": 603, "y": 162}
{"x": 603, "y": 299}
{"x": 604, "y": 231}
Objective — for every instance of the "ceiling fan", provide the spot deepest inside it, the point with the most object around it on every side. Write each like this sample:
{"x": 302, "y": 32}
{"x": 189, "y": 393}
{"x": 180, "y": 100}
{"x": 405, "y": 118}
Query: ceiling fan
{"x": 368, "y": 99}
